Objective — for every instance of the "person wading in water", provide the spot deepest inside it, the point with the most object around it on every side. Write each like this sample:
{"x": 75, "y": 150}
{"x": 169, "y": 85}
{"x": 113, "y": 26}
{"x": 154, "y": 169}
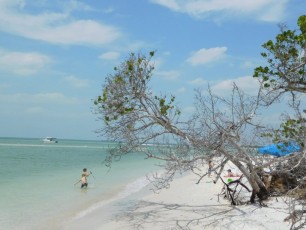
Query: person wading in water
{"x": 84, "y": 182}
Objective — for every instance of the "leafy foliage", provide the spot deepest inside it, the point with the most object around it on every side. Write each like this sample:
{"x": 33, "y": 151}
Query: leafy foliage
{"x": 286, "y": 58}
{"x": 286, "y": 72}
{"x": 128, "y": 106}
{"x": 121, "y": 95}
{"x": 291, "y": 129}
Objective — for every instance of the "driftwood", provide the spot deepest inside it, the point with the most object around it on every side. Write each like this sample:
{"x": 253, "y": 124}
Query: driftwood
{"x": 294, "y": 216}
{"x": 279, "y": 182}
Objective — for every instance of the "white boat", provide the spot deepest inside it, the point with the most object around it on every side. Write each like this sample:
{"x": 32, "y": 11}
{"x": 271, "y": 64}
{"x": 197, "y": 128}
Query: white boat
{"x": 50, "y": 140}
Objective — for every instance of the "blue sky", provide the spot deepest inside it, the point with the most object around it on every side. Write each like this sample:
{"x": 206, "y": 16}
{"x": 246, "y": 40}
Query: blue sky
{"x": 55, "y": 54}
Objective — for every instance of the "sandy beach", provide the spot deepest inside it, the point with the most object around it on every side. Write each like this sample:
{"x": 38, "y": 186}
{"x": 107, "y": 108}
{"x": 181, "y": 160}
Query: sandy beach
{"x": 185, "y": 205}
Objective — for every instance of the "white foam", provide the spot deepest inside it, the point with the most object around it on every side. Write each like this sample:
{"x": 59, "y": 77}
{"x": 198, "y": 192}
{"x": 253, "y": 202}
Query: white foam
{"x": 133, "y": 187}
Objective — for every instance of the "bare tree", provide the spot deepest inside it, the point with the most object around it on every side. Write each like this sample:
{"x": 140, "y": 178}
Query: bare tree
{"x": 133, "y": 115}
{"x": 220, "y": 126}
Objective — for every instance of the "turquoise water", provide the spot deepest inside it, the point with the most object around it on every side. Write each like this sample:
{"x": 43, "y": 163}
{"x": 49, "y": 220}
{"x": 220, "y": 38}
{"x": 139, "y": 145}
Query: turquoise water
{"x": 38, "y": 180}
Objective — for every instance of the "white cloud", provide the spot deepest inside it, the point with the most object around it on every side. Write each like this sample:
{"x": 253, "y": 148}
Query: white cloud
{"x": 76, "y": 82}
{"x": 266, "y": 10}
{"x": 110, "y": 55}
{"x": 274, "y": 13}
{"x": 204, "y": 56}
{"x": 198, "y": 82}
{"x": 168, "y": 75}
{"x": 172, "y": 4}
{"x": 72, "y": 5}
{"x": 39, "y": 98}
{"x": 248, "y": 84}
{"x": 23, "y": 63}
{"x": 53, "y": 27}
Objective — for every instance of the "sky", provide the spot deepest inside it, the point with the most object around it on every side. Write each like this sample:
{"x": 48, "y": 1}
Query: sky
{"x": 55, "y": 54}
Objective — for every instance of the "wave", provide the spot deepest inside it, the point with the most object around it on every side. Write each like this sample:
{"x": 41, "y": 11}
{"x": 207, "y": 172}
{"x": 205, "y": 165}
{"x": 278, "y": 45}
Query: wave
{"x": 54, "y": 146}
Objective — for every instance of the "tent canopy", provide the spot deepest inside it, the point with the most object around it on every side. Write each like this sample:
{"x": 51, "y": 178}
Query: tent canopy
{"x": 280, "y": 149}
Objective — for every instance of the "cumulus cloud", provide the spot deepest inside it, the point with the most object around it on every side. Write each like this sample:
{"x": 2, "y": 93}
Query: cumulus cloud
{"x": 204, "y": 56}
{"x": 248, "y": 84}
{"x": 76, "y": 82}
{"x": 112, "y": 55}
{"x": 265, "y": 10}
{"x": 21, "y": 63}
{"x": 53, "y": 27}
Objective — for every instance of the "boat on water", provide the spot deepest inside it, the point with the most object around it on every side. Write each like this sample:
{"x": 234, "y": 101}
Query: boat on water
{"x": 50, "y": 140}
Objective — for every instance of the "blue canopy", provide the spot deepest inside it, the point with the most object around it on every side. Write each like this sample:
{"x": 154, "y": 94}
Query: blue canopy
{"x": 280, "y": 149}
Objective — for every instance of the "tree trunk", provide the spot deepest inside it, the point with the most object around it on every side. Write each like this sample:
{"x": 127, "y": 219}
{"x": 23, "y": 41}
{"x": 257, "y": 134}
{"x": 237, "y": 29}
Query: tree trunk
{"x": 258, "y": 187}
{"x": 262, "y": 194}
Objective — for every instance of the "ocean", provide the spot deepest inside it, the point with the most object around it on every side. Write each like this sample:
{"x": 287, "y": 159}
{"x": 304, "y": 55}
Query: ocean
{"x": 38, "y": 182}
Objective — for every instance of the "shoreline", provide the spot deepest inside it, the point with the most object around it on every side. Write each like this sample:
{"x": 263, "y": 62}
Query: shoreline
{"x": 185, "y": 205}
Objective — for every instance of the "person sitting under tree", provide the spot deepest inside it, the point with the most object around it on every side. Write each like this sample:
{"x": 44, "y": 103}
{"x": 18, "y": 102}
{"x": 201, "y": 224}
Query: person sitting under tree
{"x": 229, "y": 173}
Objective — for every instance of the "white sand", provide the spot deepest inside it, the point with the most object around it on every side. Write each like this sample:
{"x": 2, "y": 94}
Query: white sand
{"x": 185, "y": 205}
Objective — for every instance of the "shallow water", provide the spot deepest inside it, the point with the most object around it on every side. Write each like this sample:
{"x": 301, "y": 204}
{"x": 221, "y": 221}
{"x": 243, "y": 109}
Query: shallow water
{"x": 37, "y": 180}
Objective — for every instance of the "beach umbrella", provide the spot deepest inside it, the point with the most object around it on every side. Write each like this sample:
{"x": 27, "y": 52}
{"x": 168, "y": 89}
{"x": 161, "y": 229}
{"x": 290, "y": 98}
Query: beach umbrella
{"x": 280, "y": 149}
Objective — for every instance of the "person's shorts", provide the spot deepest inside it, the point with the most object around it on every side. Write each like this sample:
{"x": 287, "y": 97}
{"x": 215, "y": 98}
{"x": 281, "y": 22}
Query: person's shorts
{"x": 84, "y": 185}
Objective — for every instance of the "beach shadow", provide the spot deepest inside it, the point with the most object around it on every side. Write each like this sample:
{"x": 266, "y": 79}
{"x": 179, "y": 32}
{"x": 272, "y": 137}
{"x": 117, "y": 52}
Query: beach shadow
{"x": 153, "y": 215}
